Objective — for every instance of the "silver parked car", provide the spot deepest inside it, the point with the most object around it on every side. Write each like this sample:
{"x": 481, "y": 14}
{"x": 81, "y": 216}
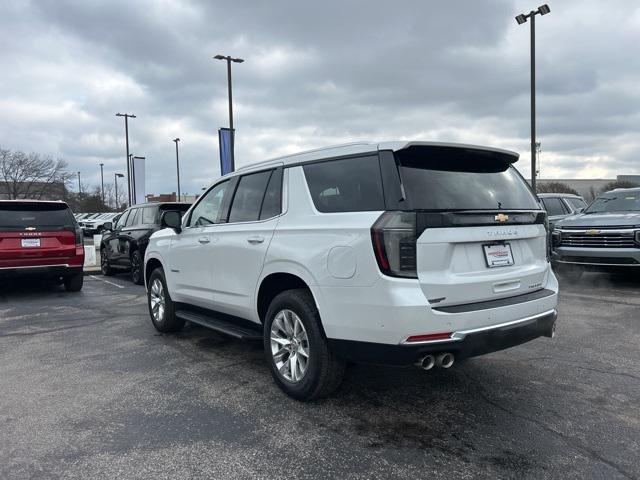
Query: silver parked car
{"x": 561, "y": 205}
{"x": 605, "y": 236}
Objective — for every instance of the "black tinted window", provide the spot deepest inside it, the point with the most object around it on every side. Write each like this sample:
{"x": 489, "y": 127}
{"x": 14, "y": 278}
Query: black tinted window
{"x": 554, "y": 206}
{"x": 21, "y": 216}
{"x": 446, "y": 178}
{"x": 248, "y": 197}
{"x": 272, "y": 203}
{"x": 350, "y": 185}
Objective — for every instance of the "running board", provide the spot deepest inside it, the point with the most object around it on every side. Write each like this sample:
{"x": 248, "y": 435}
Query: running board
{"x": 222, "y": 326}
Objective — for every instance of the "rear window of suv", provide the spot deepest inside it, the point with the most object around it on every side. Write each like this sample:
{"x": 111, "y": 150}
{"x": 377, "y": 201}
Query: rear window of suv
{"x": 447, "y": 178}
{"x": 38, "y": 215}
{"x": 348, "y": 185}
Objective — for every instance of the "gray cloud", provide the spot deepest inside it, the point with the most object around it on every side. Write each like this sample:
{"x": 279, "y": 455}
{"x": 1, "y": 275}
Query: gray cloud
{"x": 316, "y": 73}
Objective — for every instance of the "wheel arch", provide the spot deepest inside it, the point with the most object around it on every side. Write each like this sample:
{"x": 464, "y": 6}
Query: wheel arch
{"x": 150, "y": 265}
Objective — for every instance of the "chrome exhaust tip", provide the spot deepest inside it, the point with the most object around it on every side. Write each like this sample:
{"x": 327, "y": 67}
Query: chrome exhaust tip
{"x": 426, "y": 363}
{"x": 445, "y": 360}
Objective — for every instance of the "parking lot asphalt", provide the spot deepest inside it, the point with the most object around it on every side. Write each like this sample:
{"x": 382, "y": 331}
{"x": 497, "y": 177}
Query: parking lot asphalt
{"x": 88, "y": 389}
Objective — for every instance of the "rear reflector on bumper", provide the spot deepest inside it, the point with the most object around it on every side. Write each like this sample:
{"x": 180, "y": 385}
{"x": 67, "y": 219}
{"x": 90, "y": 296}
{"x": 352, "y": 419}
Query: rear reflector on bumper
{"x": 429, "y": 337}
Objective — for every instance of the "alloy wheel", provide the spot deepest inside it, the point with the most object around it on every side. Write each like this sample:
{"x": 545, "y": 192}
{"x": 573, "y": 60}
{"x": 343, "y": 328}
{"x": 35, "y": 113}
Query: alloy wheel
{"x": 156, "y": 296}
{"x": 289, "y": 345}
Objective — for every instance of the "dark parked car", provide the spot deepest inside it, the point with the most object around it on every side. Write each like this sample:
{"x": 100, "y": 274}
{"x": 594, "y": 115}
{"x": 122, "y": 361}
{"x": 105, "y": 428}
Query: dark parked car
{"x": 561, "y": 205}
{"x": 123, "y": 244}
{"x": 42, "y": 240}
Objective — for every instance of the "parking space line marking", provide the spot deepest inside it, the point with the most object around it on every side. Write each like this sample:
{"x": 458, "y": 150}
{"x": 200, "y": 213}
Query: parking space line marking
{"x": 106, "y": 281}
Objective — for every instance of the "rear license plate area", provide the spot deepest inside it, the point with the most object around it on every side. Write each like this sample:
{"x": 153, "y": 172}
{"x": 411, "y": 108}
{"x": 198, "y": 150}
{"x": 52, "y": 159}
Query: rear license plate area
{"x": 30, "y": 242}
{"x": 498, "y": 254}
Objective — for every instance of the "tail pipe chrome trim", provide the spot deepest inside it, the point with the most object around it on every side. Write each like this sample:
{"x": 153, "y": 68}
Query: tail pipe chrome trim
{"x": 445, "y": 360}
{"x": 426, "y": 363}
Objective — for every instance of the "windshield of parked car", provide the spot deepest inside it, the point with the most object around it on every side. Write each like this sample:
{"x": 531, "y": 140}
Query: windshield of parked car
{"x": 463, "y": 179}
{"x": 21, "y": 216}
{"x": 616, "y": 202}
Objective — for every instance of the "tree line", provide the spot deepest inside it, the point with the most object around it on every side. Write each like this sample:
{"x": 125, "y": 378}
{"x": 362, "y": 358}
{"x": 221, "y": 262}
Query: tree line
{"x": 41, "y": 177}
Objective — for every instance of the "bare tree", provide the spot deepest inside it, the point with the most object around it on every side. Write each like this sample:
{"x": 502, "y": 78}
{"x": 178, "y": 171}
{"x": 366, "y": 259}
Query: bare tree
{"x": 555, "y": 187}
{"x": 31, "y": 175}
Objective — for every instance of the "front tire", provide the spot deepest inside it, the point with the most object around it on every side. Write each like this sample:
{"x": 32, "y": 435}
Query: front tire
{"x": 74, "y": 283}
{"x": 161, "y": 307}
{"x": 137, "y": 276}
{"x": 296, "y": 350}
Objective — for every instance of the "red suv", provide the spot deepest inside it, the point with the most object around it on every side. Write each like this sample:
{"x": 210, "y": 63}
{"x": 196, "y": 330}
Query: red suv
{"x": 41, "y": 239}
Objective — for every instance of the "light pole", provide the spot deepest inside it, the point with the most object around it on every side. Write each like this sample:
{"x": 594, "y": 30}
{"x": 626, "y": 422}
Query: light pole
{"x": 102, "y": 182}
{"x": 115, "y": 180}
{"x": 522, "y": 18}
{"x": 230, "y": 59}
{"x": 133, "y": 176}
{"x": 79, "y": 187}
{"x": 127, "y": 116}
{"x": 176, "y": 140}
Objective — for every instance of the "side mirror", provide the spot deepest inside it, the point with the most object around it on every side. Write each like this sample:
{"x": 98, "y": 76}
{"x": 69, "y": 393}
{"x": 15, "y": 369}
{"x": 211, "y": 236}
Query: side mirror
{"x": 171, "y": 219}
{"x": 108, "y": 226}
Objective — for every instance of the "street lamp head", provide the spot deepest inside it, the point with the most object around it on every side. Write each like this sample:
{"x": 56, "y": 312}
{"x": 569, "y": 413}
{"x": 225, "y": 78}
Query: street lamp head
{"x": 521, "y": 19}
{"x": 176, "y": 140}
{"x": 120, "y": 175}
{"x": 544, "y": 9}
{"x": 237, "y": 60}
{"x": 220, "y": 57}
{"x": 140, "y": 158}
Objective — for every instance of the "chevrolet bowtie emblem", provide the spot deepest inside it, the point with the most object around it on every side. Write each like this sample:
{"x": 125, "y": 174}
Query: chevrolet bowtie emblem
{"x": 501, "y": 217}
{"x": 592, "y": 232}
{"x": 30, "y": 228}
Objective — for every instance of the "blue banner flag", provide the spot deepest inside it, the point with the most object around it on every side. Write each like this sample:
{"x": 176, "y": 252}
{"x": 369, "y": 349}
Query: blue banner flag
{"x": 224, "y": 138}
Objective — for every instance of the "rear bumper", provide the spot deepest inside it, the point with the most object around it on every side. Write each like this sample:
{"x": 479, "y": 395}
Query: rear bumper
{"x": 45, "y": 271}
{"x": 463, "y": 345}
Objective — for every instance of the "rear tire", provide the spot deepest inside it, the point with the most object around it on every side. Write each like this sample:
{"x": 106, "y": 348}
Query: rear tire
{"x": 73, "y": 283}
{"x": 137, "y": 276}
{"x": 105, "y": 268}
{"x": 161, "y": 307}
{"x": 296, "y": 349}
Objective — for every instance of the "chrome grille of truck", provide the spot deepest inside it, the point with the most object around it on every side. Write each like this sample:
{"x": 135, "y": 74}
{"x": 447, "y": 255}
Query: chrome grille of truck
{"x": 601, "y": 239}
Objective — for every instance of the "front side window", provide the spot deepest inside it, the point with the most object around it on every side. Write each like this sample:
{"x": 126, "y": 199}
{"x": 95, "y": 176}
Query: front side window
{"x": 349, "y": 185}
{"x": 247, "y": 200}
{"x": 207, "y": 210}
{"x": 122, "y": 220}
{"x": 576, "y": 203}
{"x": 616, "y": 202}
{"x": 554, "y": 206}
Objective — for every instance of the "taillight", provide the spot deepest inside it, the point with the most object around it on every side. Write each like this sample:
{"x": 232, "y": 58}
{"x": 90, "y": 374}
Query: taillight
{"x": 394, "y": 244}
{"x": 79, "y": 236}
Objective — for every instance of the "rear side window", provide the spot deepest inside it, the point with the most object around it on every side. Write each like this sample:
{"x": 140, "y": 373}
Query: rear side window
{"x": 349, "y": 185}
{"x": 454, "y": 178}
{"x": 20, "y": 216}
{"x": 554, "y": 206}
{"x": 247, "y": 200}
{"x": 272, "y": 203}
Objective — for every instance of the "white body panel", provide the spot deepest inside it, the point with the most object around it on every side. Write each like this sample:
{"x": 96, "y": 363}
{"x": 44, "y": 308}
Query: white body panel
{"x": 332, "y": 253}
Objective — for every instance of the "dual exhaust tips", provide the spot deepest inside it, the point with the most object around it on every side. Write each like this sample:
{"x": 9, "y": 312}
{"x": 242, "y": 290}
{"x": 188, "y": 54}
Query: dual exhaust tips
{"x": 442, "y": 360}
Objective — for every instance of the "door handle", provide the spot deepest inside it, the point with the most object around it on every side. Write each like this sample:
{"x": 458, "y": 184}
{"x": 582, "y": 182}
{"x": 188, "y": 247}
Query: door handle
{"x": 255, "y": 240}
{"x": 204, "y": 240}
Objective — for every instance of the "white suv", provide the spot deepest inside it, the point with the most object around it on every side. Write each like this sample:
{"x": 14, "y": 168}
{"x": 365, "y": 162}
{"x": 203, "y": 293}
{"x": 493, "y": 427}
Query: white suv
{"x": 394, "y": 253}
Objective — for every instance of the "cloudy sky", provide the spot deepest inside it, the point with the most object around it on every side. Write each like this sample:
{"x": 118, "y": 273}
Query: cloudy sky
{"x": 315, "y": 74}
